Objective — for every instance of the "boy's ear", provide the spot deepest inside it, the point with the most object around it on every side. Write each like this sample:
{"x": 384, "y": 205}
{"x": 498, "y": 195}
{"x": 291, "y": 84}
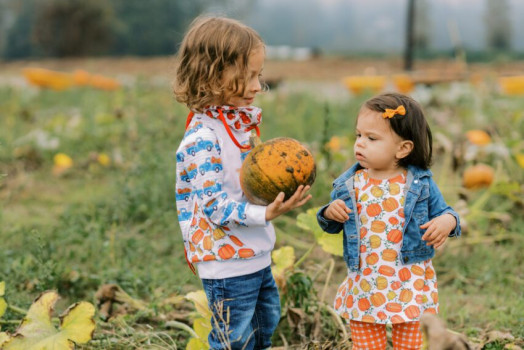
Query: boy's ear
{"x": 404, "y": 149}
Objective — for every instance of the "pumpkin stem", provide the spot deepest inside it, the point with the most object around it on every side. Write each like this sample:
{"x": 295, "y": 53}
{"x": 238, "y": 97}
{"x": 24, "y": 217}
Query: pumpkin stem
{"x": 254, "y": 140}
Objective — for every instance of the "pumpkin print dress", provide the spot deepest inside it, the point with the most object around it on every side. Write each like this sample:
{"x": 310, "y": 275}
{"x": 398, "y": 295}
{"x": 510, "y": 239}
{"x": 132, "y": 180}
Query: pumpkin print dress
{"x": 385, "y": 290}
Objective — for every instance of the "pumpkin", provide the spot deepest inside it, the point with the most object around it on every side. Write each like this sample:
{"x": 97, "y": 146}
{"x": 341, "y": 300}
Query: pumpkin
{"x": 367, "y": 271}
{"x": 419, "y": 284}
{"x": 349, "y": 301}
{"x": 245, "y": 253}
{"x": 404, "y": 274}
{"x": 378, "y": 226}
{"x": 394, "y": 236}
{"x": 372, "y": 259}
{"x": 368, "y": 319}
{"x": 378, "y": 299}
{"x": 209, "y": 257}
{"x": 393, "y": 307}
{"x": 386, "y": 270}
{"x": 226, "y": 251}
{"x": 382, "y": 282}
{"x": 197, "y": 236}
{"x": 375, "y": 241}
{"x": 363, "y": 304}
{"x": 412, "y": 312}
{"x": 478, "y": 137}
{"x": 405, "y": 295}
{"x": 373, "y": 209}
{"x": 389, "y": 254}
{"x": 479, "y": 175}
{"x": 397, "y": 319}
{"x": 417, "y": 270}
{"x": 390, "y": 204}
{"x": 277, "y": 165}
{"x": 338, "y": 303}
{"x": 235, "y": 240}
{"x": 208, "y": 243}
{"x": 365, "y": 286}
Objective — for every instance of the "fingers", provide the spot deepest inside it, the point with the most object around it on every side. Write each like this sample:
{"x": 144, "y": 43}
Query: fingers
{"x": 338, "y": 211}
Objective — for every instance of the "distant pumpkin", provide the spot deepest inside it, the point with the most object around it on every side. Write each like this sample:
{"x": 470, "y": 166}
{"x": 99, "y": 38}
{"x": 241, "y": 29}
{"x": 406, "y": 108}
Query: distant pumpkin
{"x": 478, "y": 137}
{"x": 277, "y": 165}
{"x": 479, "y": 175}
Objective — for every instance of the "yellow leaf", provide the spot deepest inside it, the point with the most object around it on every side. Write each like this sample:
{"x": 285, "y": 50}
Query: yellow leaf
{"x": 2, "y": 288}
{"x": 283, "y": 258}
{"x": 199, "y": 299}
{"x": 103, "y": 159}
{"x": 520, "y": 159}
{"x": 196, "y": 344}
{"x": 4, "y": 337}
{"x": 37, "y": 332}
{"x": 77, "y": 322}
{"x": 202, "y": 327}
{"x": 62, "y": 160}
{"x": 3, "y": 306}
{"x": 331, "y": 243}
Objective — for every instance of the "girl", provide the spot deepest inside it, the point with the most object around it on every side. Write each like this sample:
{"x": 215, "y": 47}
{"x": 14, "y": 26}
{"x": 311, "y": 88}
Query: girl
{"x": 230, "y": 240}
{"x": 393, "y": 217}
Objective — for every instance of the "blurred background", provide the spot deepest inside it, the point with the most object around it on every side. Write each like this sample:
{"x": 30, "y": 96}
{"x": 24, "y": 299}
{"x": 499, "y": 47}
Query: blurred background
{"x": 89, "y": 128}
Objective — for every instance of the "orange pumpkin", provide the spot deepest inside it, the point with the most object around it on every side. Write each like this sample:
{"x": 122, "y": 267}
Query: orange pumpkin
{"x": 396, "y": 285}
{"x": 417, "y": 270}
{"x": 235, "y": 240}
{"x": 349, "y": 301}
{"x": 394, "y": 236}
{"x": 397, "y": 319}
{"x": 378, "y": 226}
{"x": 478, "y": 137}
{"x": 405, "y": 295}
{"x": 389, "y": 254}
{"x": 363, "y": 304}
{"x": 245, "y": 253}
{"x": 404, "y": 274}
{"x": 372, "y": 258}
{"x": 393, "y": 220}
{"x": 368, "y": 319}
{"x": 373, "y": 209}
{"x": 386, "y": 270}
{"x": 393, "y": 307}
{"x": 197, "y": 236}
{"x": 479, "y": 175}
{"x": 226, "y": 251}
{"x": 203, "y": 224}
{"x": 430, "y": 273}
{"x": 209, "y": 257}
{"x": 419, "y": 284}
{"x": 277, "y": 165}
{"x": 389, "y": 204}
{"x": 207, "y": 243}
{"x": 412, "y": 312}
{"x": 378, "y": 299}
{"x": 338, "y": 303}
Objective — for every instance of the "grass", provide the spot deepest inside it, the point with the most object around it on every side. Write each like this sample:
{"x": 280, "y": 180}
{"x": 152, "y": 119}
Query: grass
{"x": 117, "y": 224}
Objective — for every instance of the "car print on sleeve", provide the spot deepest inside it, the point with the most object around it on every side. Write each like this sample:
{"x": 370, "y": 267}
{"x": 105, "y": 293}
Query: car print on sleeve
{"x": 183, "y": 194}
{"x": 199, "y": 145}
{"x": 189, "y": 173}
{"x": 211, "y": 164}
{"x": 183, "y": 215}
{"x": 211, "y": 187}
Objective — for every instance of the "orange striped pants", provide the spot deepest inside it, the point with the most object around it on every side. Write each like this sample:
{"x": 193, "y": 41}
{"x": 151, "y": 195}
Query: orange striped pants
{"x": 372, "y": 336}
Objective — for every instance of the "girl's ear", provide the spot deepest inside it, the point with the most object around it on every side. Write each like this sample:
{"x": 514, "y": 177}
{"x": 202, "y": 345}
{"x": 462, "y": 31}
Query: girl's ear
{"x": 404, "y": 149}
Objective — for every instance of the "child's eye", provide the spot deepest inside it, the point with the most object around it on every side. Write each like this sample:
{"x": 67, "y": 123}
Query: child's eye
{"x": 371, "y": 138}
{"x": 358, "y": 135}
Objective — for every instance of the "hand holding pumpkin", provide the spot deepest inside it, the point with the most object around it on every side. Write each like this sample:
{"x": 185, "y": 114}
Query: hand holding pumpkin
{"x": 337, "y": 211}
{"x": 279, "y": 207}
{"x": 438, "y": 229}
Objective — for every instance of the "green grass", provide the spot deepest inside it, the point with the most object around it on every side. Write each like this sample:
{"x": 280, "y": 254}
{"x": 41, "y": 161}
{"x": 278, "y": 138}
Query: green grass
{"x": 117, "y": 224}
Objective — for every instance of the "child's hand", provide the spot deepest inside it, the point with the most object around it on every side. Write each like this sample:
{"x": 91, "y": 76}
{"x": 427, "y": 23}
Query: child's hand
{"x": 337, "y": 211}
{"x": 438, "y": 229}
{"x": 279, "y": 207}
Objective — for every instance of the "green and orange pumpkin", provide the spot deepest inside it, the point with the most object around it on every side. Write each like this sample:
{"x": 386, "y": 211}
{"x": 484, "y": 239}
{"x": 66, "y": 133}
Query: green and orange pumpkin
{"x": 278, "y": 165}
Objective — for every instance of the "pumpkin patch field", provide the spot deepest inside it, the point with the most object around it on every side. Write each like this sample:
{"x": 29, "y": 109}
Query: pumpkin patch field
{"x": 88, "y": 215}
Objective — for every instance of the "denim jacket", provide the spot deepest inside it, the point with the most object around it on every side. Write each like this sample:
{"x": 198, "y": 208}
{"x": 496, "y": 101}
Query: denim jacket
{"x": 423, "y": 202}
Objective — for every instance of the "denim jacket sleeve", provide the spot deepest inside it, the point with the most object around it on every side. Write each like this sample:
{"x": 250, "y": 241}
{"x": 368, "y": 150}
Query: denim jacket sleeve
{"x": 329, "y": 226}
{"x": 438, "y": 207}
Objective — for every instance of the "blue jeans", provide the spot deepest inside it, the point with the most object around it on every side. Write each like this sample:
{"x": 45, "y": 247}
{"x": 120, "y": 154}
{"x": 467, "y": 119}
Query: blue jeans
{"x": 246, "y": 310}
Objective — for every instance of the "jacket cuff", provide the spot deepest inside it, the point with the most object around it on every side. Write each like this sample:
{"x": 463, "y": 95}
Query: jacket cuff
{"x": 457, "y": 231}
{"x": 329, "y": 226}
{"x": 255, "y": 215}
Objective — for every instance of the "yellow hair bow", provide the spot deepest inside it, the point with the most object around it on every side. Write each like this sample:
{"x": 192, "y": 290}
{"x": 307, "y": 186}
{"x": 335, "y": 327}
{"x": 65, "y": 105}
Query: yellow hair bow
{"x": 390, "y": 113}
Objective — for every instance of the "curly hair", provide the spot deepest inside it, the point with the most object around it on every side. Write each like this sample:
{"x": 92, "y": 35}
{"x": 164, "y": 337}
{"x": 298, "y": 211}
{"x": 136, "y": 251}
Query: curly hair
{"x": 211, "y": 46}
{"x": 412, "y": 126}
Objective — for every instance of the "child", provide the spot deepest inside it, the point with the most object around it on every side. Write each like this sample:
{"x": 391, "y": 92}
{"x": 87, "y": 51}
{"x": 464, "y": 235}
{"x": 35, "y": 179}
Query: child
{"x": 229, "y": 239}
{"x": 393, "y": 217}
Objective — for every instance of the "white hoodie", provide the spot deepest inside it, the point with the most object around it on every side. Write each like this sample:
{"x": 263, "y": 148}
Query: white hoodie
{"x": 223, "y": 234}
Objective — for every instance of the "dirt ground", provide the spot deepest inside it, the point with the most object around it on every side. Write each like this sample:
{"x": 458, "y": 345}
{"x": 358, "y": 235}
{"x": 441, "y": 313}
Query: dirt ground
{"x": 323, "y": 68}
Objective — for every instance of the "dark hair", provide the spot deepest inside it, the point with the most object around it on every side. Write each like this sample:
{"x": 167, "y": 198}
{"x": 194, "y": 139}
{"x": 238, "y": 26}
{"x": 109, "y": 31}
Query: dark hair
{"x": 412, "y": 126}
{"x": 210, "y": 47}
